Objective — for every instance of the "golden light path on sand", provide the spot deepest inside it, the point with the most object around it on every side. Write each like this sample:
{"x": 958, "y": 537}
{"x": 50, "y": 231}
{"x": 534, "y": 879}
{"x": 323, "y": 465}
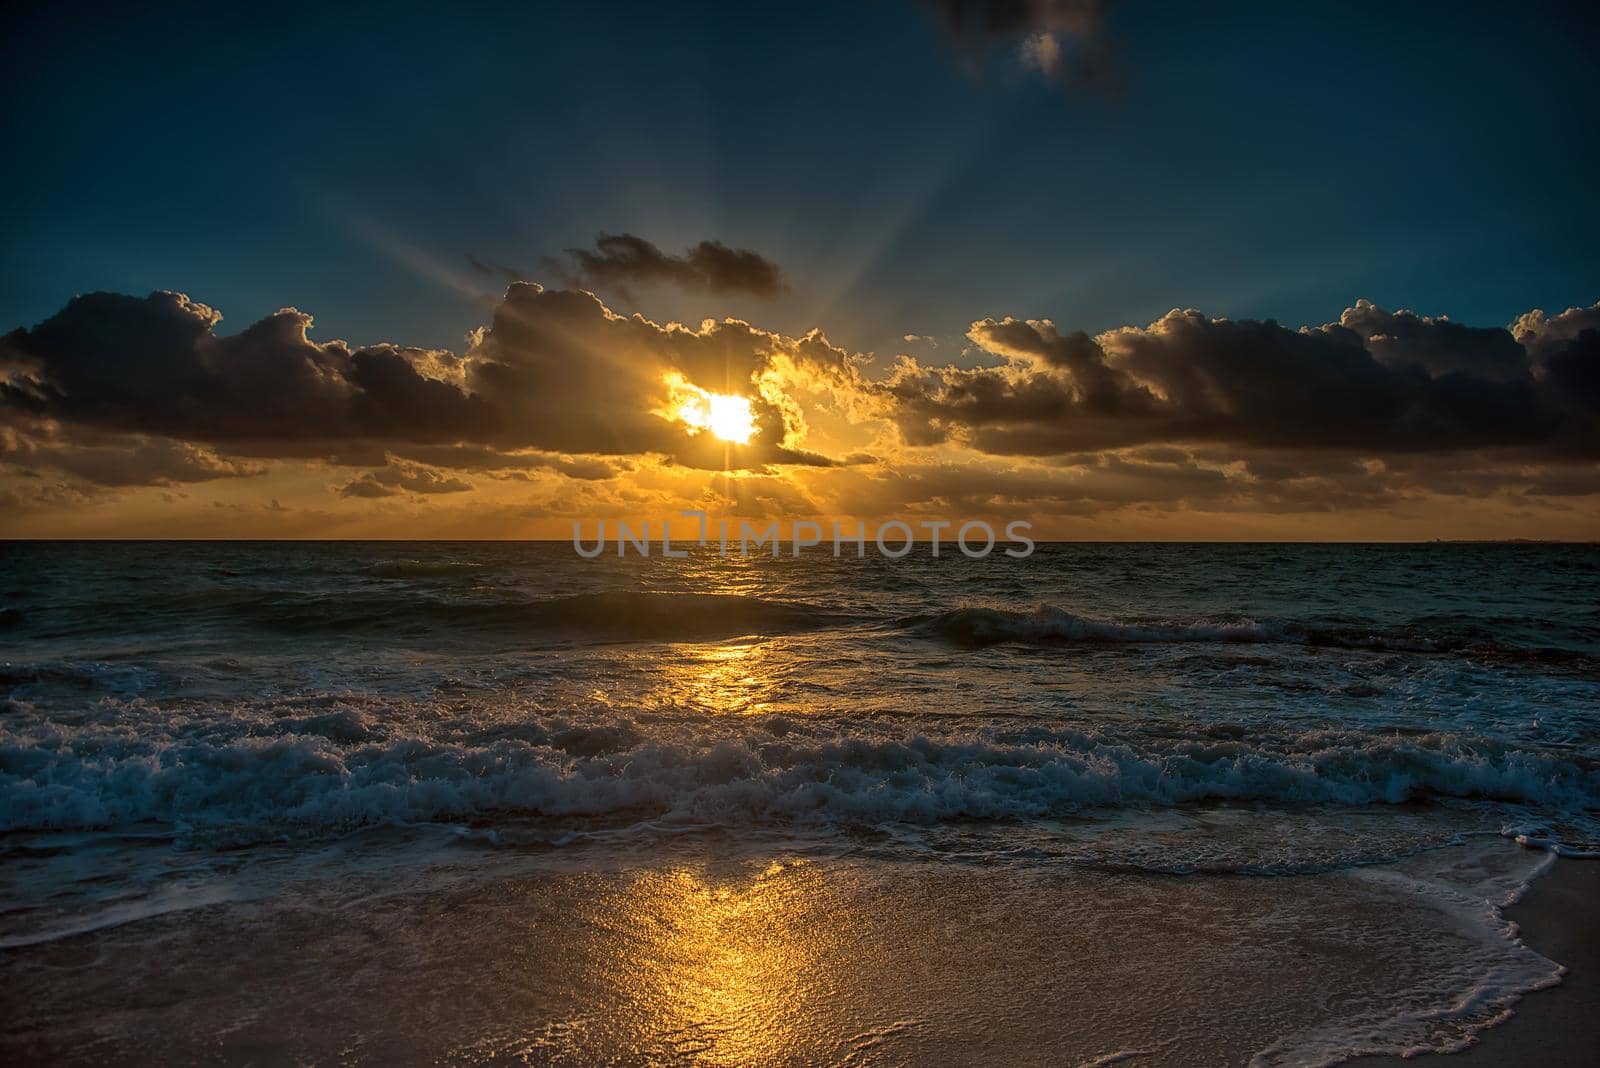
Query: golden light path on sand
{"x": 727, "y": 971}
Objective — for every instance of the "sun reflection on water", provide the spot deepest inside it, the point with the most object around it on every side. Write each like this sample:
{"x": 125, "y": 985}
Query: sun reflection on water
{"x": 724, "y": 679}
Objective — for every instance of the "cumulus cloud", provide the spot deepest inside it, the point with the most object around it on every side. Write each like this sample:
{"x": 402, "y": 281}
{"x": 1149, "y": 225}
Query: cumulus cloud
{"x": 621, "y": 261}
{"x": 565, "y": 373}
{"x": 398, "y": 478}
{"x": 555, "y": 371}
{"x": 1376, "y": 382}
{"x": 1565, "y": 352}
{"x": 155, "y": 365}
{"x": 1437, "y": 345}
{"x": 560, "y": 406}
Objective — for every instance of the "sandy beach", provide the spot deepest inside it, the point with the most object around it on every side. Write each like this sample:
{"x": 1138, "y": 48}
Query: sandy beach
{"x": 716, "y": 954}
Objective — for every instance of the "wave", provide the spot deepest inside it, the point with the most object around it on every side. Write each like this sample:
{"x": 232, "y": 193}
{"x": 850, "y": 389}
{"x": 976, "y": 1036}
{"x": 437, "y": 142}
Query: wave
{"x": 976, "y": 627}
{"x": 335, "y": 774}
{"x": 672, "y": 615}
{"x": 448, "y": 611}
{"x": 616, "y": 616}
{"x": 422, "y": 568}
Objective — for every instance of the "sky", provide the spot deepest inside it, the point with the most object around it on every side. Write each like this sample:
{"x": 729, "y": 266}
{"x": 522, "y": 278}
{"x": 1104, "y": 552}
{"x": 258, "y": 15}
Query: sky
{"x": 1158, "y": 197}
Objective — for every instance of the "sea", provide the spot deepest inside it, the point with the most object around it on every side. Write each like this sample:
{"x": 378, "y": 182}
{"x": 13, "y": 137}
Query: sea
{"x": 492, "y": 802}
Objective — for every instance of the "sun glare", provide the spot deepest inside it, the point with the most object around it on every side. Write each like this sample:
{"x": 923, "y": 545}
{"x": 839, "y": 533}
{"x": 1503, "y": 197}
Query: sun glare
{"x": 726, "y": 416}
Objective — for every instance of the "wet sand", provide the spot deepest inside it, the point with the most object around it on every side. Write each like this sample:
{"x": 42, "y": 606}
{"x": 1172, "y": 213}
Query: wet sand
{"x": 711, "y": 954}
{"x": 1560, "y": 918}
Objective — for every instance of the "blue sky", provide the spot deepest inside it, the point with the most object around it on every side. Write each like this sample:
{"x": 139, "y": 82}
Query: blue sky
{"x": 1255, "y": 162}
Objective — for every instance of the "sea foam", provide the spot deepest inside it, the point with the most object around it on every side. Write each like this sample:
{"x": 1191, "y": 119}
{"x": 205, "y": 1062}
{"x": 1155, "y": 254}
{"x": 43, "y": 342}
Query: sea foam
{"x": 341, "y": 770}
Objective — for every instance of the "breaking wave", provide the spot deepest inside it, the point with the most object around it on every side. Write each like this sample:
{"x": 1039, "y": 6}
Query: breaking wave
{"x": 346, "y": 770}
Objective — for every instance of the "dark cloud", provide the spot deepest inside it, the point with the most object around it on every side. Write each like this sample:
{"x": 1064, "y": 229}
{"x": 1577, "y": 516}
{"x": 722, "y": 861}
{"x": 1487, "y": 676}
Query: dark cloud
{"x": 1376, "y": 382}
{"x": 1100, "y": 483}
{"x": 483, "y": 458}
{"x": 39, "y": 495}
{"x": 1565, "y": 351}
{"x": 1367, "y": 411}
{"x": 555, "y": 371}
{"x": 496, "y": 270}
{"x": 120, "y": 461}
{"x": 1064, "y": 40}
{"x": 155, "y": 365}
{"x": 620, "y": 261}
{"x": 398, "y": 478}
{"x": 366, "y": 487}
{"x": 1437, "y": 345}
{"x": 564, "y": 373}
{"x": 1168, "y": 479}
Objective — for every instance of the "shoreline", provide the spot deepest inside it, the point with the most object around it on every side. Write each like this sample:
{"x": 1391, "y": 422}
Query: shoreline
{"x": 1559, "y": 918}
{"x": 772, "y": 953}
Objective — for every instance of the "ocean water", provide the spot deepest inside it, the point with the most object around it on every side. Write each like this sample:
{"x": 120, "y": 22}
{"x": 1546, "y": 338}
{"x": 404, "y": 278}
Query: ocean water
{"x": 243, "y": 740}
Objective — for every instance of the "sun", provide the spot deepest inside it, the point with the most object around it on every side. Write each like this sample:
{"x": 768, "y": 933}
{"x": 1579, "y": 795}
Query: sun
{"x": 726, "y": 416}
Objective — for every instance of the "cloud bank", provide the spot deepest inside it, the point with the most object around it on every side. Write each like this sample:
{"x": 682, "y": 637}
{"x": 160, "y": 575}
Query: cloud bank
{"x": 562, "y": 406}
{"x": 1375, "y": 382}
{"x": 555, "y": 371}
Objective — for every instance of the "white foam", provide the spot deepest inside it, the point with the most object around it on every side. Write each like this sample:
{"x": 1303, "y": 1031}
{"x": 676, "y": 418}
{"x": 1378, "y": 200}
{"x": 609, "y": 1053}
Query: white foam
{"x": 1471, "y": 988}
{"x": 342, "y": 773}
{"x": 171, "y": 899}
